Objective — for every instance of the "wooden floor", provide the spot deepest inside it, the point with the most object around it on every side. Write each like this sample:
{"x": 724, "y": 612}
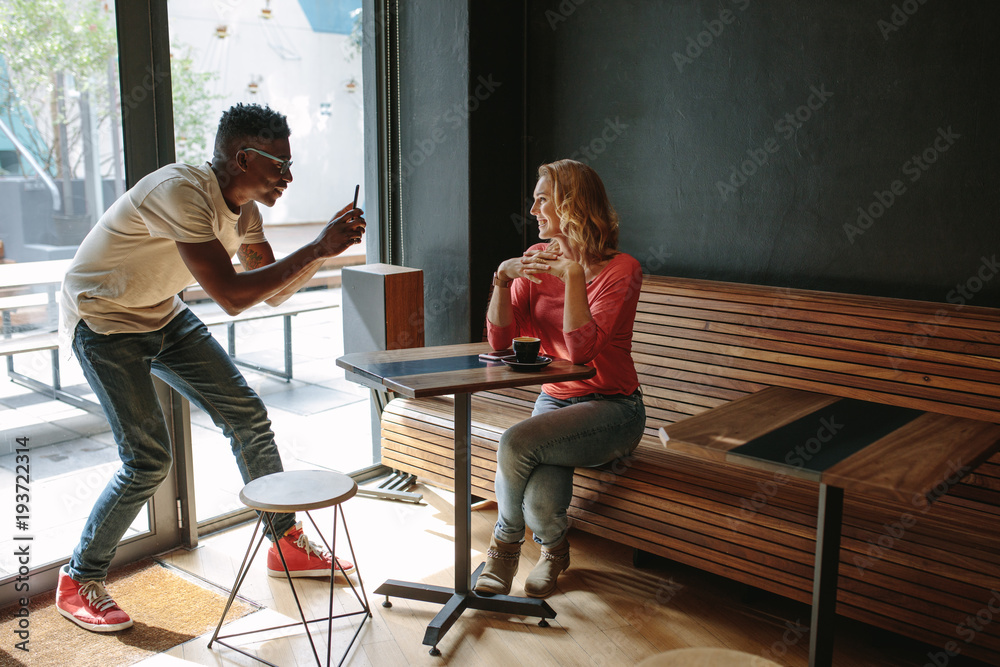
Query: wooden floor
{"x": 609, "y": 612}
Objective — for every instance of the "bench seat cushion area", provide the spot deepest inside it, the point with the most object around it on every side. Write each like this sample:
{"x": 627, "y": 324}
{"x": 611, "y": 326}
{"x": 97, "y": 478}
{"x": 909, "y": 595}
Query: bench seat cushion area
{"x": 920, "y": 570}
{"x": 905, "y": 569}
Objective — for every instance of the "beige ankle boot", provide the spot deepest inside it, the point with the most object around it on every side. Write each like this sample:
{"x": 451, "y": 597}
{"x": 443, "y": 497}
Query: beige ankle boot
{"x": 502, "y": 560}
{"x": 542, "y": 580}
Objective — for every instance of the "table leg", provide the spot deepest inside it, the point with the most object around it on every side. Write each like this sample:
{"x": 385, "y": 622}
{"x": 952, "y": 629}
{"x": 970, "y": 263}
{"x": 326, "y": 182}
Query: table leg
{"x": 829, "y": 517}
{"x": 463, "y": 492}
{"x": 462, "y": 597}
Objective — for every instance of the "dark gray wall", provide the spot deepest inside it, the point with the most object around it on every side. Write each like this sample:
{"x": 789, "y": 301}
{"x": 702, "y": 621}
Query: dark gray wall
{"x": 673, "y": 101}
{"x": 458, "y": 169}
{"x": 842, "y": 145}
{"x": 432, "y": 175}
{"x": 496, "y": 141}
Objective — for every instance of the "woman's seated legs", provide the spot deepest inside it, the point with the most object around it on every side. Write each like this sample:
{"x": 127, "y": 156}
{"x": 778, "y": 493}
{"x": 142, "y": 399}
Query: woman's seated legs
{"x": 546, "y": 499}
{"x": 562, "y": 433}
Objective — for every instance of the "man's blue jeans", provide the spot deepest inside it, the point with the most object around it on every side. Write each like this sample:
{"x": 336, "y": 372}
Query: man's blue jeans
{"x": 186, "y": 356}
{"x": 536, "y": 457}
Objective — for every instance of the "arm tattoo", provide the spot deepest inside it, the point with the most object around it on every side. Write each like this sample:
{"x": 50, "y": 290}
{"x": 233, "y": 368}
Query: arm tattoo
{"x": 249, "y": 257}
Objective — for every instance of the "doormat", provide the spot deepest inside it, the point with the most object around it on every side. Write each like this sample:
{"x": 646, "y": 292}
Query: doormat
{"x": 166, "y": 610}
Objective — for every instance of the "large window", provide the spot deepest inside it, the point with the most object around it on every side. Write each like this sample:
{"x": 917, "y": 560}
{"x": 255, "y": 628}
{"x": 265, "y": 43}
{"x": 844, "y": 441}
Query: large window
{"x": 72, "y": 136}
{"x": 302, "y": 59}
{"x": 61, "y": 165}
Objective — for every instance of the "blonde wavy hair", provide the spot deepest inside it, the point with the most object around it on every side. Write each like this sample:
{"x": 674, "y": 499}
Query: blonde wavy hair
{"x": 587, "y": 219}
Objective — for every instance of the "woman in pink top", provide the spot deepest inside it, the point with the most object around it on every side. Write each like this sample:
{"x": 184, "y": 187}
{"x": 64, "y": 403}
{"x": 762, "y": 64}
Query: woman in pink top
{"x": 578, "y": 294}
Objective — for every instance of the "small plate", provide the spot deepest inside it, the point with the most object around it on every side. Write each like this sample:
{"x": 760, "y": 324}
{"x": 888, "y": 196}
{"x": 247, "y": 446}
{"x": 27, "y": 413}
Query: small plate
{"x": 512, "y": 361}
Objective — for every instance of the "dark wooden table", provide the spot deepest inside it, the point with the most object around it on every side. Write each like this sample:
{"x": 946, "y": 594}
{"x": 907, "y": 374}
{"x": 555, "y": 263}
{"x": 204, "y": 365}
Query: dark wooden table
{"x": 454, "y": 369}
{"x": 871, "y": 449}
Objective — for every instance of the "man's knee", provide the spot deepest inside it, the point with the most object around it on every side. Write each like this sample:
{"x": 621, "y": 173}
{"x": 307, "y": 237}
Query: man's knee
{"x": 150, "y": 470}
{"x": 248, "y": 419}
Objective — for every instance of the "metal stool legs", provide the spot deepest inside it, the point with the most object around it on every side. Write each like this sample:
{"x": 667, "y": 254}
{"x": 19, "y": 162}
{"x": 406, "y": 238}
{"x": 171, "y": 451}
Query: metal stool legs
{"x": 358, "y": 592}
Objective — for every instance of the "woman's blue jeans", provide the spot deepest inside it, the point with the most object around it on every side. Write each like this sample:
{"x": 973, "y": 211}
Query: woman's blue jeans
{"x": 536, "y": 457}
{"x": 186, "y": 356}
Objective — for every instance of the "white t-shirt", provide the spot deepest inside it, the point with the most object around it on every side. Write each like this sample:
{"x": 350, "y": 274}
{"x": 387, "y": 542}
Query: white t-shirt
{"x": 127, "y": 273}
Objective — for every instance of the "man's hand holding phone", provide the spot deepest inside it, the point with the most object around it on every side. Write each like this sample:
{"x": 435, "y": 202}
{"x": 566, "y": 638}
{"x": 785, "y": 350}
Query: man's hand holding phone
{"x": 347, "y": 228}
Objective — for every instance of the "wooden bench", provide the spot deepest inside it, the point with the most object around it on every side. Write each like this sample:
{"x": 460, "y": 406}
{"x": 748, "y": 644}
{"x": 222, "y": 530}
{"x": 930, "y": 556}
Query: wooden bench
{"x": 922, "y": 570}
{"x": 28, "y": 294}
{"x": 11, "y": 306}
{"x": 301, "y": 302}
{"x": 33, "y": 330}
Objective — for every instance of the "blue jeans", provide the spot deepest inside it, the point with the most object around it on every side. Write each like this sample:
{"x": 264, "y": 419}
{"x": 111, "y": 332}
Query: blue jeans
{"x": 536, "y": 457}
{"x": 186, "y": 356}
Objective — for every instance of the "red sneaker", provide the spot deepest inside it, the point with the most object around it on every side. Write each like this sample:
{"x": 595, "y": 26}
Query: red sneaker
{"x": 88, "y": 605}
{"x": 304, "y": 558}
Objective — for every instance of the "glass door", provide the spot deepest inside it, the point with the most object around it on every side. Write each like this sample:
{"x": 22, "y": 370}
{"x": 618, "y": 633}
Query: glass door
{"x": 303, "y": 59}
{"x": 61, "y": 166}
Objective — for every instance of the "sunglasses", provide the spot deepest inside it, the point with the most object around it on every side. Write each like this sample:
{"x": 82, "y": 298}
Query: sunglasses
{"x": 283, "y": 165}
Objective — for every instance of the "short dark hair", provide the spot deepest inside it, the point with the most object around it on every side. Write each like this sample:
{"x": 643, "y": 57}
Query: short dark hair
{"x": 245, "y": 125}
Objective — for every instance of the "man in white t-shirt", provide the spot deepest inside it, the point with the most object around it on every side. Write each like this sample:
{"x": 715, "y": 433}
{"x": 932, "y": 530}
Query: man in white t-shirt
{"x": 121, "y": 314}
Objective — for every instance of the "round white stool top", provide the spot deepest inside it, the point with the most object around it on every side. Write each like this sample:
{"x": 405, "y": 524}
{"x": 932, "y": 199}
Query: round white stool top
{"x": 706, "y": 657}
{"x": 298, "y": 490}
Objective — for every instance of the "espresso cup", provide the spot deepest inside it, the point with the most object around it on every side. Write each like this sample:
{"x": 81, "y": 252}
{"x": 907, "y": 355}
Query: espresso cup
{"x": 526, "y": 349}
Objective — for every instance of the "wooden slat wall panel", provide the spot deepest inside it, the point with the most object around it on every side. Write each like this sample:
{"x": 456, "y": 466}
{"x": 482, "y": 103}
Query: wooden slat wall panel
{"x": 898, "y": 365}
{"x": 699, "y": 344}
{"x": 774, "y": 302}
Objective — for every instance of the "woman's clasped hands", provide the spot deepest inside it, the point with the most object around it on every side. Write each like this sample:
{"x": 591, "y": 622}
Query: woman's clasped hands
{"x": 535, "y": 262}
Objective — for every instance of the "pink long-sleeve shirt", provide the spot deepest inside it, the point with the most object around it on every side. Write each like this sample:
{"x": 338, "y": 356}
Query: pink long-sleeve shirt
{"x": 604, "y": 343}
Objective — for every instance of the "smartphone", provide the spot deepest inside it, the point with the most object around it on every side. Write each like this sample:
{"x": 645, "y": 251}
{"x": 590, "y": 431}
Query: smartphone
{"x": 496, "y": 355}
{"x": 354, "y": 205}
